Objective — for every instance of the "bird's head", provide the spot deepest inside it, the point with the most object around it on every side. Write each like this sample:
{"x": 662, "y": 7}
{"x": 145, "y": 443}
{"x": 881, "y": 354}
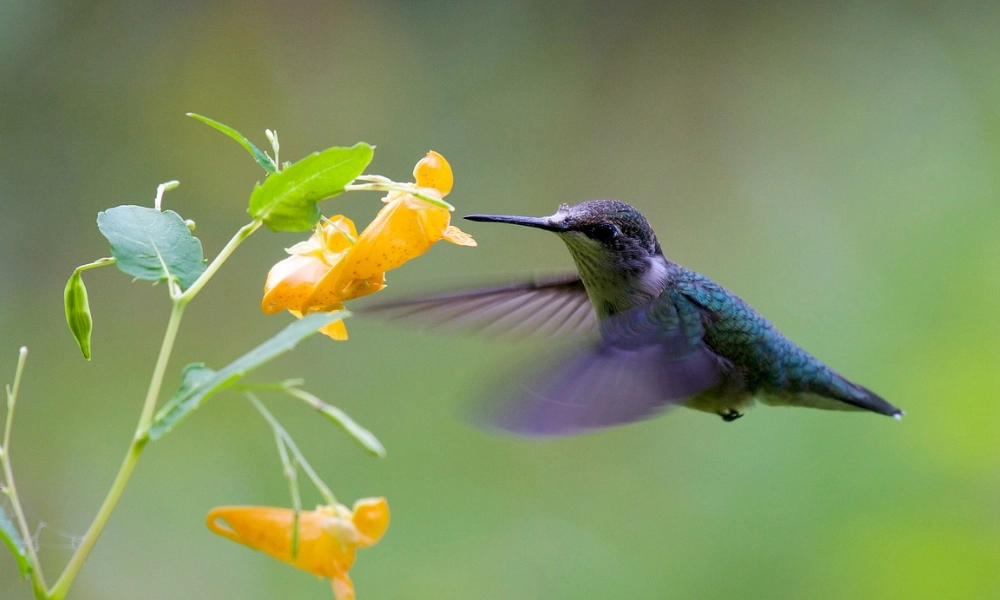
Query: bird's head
{"x": 614, "y": 248}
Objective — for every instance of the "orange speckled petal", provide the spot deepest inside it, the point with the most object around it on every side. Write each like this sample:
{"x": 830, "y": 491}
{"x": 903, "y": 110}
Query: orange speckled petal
{"x": 270, "y": 530}
{"x": 433, "y": 171}
{"x": 404, "y": 229}
{"x": 386, "y": 243}
{"x": 291, "y": 282}
{"x": 336, "y": 288}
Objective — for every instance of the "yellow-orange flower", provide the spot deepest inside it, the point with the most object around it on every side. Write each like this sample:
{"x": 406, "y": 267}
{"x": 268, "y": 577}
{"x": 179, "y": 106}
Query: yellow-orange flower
{"x": 336, "y": 264}
{"x": 291, "y": 282}
{"x": 328, "y": 537}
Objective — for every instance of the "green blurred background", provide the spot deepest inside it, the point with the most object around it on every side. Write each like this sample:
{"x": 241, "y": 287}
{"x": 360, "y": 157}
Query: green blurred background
{"x": 837, "y": 165}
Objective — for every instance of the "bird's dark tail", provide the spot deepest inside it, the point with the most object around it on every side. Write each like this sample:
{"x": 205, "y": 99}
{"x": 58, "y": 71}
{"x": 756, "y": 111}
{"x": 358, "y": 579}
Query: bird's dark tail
{"x": 863, "y": 397}
{"x": 856, "y": 397}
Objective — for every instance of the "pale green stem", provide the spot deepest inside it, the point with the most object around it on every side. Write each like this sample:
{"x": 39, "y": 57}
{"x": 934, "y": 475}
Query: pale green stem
{"x": 320, "y": 486}
{"x": 37, "y": 577}
{"x": 279, "y": 386}
{"x": 156, "y": 382}
{"x": 243, "y": 233}
{"x": 101, "y": 262}
{"x": 396, "y": 187}
{"x": 291, "y": 475}
{"x": 22, "y": 357}
{"x": 287, "y": 463}
{"x": 135, "y": 449}
{"x": 141, "y": 436}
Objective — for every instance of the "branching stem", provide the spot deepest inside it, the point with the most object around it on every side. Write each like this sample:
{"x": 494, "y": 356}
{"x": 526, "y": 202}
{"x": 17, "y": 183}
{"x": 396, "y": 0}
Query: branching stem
{"x": 243, "y": 233}
{"x": 321, "y": 487}
{"x": 37, "y": 577}
{"x": 141, "y": 436}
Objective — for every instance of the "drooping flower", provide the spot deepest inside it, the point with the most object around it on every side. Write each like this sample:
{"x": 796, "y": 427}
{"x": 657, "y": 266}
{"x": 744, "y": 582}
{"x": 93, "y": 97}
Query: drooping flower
{"x": 328, "y": 537}
{"x": 336, "y": 264}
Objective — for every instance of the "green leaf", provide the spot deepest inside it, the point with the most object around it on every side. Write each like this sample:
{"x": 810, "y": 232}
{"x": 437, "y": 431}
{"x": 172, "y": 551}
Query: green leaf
{"x": 362, "y": 436}
{"x": 199, "y": 383}
{"x": 286, "y": 201}
{"x": 10, "y": 537}
{"x": 152, "y": 245}
{"x": 77, "y": 307}
{"x": 261, "y": 157}
{"x": 193, "y": 376}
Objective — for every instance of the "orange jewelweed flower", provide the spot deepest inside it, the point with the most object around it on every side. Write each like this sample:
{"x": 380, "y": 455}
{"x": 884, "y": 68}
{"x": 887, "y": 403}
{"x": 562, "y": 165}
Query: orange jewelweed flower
{"x": 336, "y": 264}
{"x": 292, "y": 281}
{"x": 328, "y": 536}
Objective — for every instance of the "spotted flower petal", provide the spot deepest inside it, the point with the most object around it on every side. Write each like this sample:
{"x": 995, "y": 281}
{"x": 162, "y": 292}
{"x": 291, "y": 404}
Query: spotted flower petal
{"x": 405, "y": 228}
{"x": 433, "y": 171}
{"x": 292, "y": 282}
{"x": 328, "y": 537}
{"x": 336, "y": 265}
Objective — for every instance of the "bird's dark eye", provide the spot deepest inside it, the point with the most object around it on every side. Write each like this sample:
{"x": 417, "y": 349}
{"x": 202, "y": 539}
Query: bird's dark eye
{"x": 603, "y": 232}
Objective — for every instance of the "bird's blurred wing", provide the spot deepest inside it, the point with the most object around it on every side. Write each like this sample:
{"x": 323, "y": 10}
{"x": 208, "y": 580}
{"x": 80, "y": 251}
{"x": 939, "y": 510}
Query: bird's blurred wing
{"x": 602, "y": 386}
{"x": 551, "y": 307}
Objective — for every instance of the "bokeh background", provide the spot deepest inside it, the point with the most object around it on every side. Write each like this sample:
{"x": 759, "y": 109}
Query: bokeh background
{"x": 837, "y": 164}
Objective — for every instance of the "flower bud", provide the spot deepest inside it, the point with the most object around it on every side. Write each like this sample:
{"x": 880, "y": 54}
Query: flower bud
{"x": 78, "y": 312}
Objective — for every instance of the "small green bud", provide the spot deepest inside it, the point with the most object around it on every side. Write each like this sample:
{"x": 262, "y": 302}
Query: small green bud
{"x": 78, "y": 312}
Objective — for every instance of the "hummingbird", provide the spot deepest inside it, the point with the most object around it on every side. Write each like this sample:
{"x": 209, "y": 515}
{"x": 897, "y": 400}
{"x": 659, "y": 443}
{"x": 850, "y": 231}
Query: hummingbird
{"x": 663, "y": 334}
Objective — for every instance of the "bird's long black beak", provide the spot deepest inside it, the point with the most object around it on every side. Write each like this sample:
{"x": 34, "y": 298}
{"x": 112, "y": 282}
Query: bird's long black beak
{"x": 545, "y": 223}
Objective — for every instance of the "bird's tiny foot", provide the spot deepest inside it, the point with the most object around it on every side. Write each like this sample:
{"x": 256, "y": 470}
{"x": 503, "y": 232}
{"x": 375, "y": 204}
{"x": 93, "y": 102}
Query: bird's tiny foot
{"x": 730, "y": 415}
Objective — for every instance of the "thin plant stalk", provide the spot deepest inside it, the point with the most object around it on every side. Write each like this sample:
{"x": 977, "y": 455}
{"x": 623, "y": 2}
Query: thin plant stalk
{"x": 37, "y": 577}
{"x": 321, "y": 487}
{"x": 141, "y": 436}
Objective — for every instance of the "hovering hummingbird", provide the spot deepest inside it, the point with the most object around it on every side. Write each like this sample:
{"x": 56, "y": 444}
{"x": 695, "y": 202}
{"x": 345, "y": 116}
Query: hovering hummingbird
{"x": 667, "y": 335}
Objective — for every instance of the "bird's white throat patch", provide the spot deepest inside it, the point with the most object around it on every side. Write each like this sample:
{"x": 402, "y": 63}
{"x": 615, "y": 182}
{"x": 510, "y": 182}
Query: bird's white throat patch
{"x": 613, "y": 289}
{"x": 654, "y": 280}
